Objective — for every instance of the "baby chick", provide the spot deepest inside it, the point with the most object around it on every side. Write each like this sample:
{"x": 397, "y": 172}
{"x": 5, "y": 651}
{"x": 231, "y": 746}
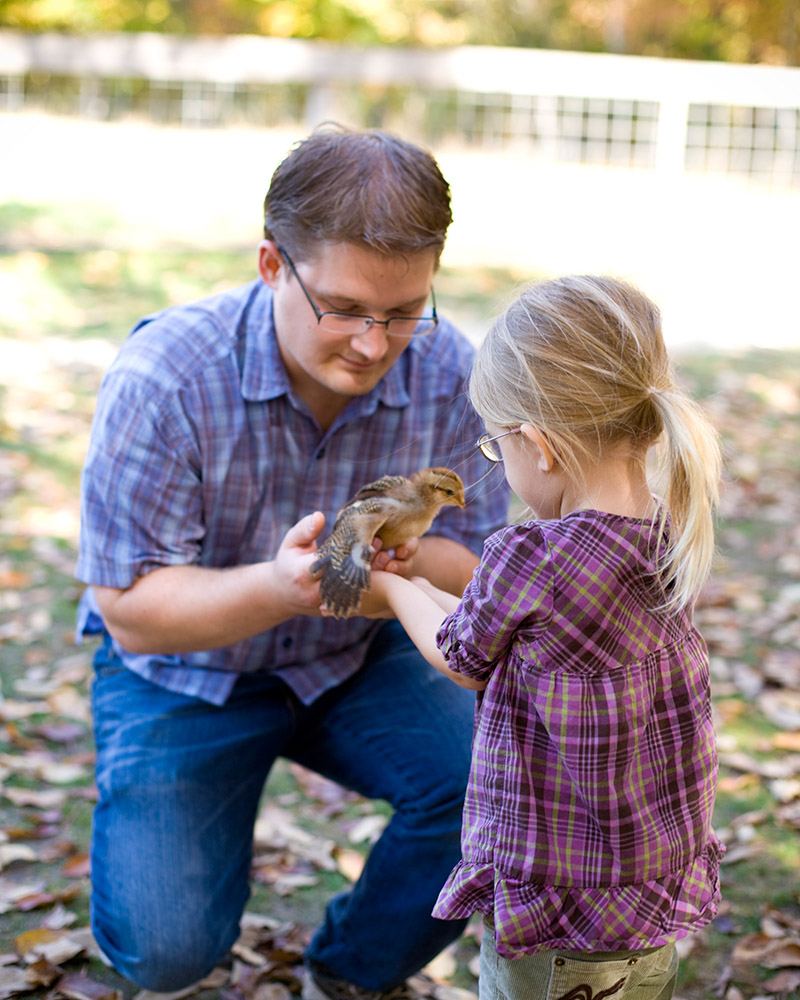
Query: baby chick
{"x": 393, "y": 509}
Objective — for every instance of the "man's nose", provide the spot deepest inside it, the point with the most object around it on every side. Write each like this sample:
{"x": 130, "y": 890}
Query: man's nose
{"x": 372, "y": 343}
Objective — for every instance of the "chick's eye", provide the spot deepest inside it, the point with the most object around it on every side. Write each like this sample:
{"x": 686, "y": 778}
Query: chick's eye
{"x": 449, "y": 492}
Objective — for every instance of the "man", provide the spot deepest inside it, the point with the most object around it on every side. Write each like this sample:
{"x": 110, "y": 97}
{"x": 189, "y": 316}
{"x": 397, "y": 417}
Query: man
{"x": 224, "y": 431}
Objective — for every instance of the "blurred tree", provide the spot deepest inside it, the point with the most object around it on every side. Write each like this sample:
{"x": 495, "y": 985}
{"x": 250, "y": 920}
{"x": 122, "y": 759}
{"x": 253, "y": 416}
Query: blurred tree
{"x": 731, "y": 30}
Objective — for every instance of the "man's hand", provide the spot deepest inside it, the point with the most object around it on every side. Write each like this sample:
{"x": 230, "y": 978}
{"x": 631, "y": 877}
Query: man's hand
{"x": 181, "y": 609}
{"x": 291, "y": 576}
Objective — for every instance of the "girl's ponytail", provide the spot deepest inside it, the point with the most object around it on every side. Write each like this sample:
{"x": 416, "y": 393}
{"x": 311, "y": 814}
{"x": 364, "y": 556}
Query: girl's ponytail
{"x": 583, "y": 358}
{"x": 691, "y": 465}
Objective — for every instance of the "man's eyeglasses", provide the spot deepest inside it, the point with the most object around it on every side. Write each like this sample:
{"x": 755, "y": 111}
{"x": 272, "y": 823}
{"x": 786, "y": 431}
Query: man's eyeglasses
{"x": 352, "y": 324}
{"x": 486, "y": 448}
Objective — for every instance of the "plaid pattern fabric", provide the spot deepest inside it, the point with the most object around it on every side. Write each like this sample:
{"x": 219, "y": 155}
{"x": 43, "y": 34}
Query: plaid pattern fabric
{"x": 202, "y": 454}
{"x": 587, "y": 822}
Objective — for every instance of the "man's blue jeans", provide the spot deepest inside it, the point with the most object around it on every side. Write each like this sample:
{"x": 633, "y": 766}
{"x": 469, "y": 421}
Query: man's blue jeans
{"x": 179, "y": 783}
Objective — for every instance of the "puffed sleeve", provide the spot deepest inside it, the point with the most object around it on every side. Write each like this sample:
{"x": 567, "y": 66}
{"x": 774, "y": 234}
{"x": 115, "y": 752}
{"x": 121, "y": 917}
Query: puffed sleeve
{"x": 511, "y": 589}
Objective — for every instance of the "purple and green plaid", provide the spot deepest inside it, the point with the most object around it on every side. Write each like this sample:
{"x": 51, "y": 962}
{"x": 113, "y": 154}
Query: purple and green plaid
{"x": 587, "y": 822}
{"x": 201, "y": 453}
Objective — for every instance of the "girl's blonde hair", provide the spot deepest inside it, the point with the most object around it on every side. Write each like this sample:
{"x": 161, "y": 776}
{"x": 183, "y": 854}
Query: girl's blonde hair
{"x": 582, "y": 358}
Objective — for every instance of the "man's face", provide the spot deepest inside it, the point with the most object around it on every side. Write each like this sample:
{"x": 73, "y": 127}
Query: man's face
{"x": 327, "y": 369}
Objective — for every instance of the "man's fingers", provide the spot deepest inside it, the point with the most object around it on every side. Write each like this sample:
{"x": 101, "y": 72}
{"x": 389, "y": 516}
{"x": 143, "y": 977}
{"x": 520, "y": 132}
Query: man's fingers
{"x": 306, "y": 530}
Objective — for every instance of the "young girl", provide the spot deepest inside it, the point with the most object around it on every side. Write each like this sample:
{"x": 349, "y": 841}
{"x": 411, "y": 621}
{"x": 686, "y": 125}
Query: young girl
{"x": 587, "y": 840}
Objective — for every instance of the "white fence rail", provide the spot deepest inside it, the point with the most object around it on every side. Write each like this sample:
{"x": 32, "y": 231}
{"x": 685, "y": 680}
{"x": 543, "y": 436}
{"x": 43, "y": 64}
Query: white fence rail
{"x": 671, "y": 116}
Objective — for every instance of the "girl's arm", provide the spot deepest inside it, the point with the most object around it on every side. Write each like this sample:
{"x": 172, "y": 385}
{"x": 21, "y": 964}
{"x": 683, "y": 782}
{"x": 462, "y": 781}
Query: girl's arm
{"x": 421, "y": 613}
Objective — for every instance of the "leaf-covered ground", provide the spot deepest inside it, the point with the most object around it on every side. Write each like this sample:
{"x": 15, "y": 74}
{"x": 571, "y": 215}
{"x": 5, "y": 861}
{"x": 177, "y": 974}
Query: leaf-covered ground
{"x": 61, "y": 318}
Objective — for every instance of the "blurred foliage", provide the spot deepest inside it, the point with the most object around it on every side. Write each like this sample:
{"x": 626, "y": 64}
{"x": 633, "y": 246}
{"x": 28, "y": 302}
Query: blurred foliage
{"x": 766, "y": 31}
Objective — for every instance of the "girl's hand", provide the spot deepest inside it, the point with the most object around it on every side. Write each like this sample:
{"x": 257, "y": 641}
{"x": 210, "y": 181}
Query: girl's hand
{"x": 399, "y": 561}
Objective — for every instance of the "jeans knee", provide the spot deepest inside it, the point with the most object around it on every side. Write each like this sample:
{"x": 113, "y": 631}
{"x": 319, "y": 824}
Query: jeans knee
{"x": 164, "y": 963}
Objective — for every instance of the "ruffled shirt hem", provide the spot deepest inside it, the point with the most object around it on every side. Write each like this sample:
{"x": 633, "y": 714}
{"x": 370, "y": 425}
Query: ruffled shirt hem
{"x": 529, "y": 918}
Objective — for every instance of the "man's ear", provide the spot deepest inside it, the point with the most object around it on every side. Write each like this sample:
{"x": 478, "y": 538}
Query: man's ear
{"x": 545, "y": 457}
{"x": 270, "y": 262}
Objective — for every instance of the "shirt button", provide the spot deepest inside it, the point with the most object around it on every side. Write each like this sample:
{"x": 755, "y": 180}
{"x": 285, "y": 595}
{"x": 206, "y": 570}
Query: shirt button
{"x": 559, "y": 961}
{"x": 287, "y": 642}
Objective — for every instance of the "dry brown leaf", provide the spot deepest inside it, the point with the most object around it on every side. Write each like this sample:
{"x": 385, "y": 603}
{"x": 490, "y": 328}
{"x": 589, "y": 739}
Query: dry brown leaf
{"x": 77, "y": 866}
{"x": 59, "y": 732}
{"x": 42, "y": 973}
{"x": 785, "y": 789}
{"x": 289, "y": 882}
{"x": 54, "y": 945}
{"x": 781, "y": 918}
{"x": 272, "y": 991}
{"x": 9, "y": 853}
{"x": 69, "y": 702}
{"x": 349, "y": 862}
{"x": 248, "y": 955}
{"x": 781, "y": 707}
{"x": 12, "y": 709}
{"x": 368, "y": 829}
{"x": 78, "y": 987}
{"x": 12, "y": 981}
{"x": 29, "y": 940}
{"x": 49, "y": 798}
{"x": 786, "y": 741}
{"x": 753, "y": 948}
{"x": 786, "y": 981}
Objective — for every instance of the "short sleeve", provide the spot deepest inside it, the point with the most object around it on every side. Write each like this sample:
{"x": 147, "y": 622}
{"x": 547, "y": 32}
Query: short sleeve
{"x": 511, "y": 589}
{"x": 141, "y": 496}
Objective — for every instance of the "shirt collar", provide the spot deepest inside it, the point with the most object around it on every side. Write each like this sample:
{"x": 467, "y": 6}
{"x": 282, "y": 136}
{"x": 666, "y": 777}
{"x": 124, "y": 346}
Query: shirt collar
{"x": 264, "y": 375}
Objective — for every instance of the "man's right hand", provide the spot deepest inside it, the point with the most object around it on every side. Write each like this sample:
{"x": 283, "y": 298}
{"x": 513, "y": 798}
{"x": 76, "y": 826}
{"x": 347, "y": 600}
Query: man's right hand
{"x": 183, "y": 609}
{"x": 292, "y": 564}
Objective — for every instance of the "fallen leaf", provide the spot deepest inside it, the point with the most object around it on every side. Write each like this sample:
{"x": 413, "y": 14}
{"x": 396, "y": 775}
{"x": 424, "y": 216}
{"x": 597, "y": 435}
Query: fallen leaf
{"x": 63, "y": 774}
{"x": 272, "y": 991}
{"x": 248, "y": 955}
{"x": 60, "y": 917}
{"x": 78, "y": 987}
{"x": 29, "y": 940}
{"x": 9, "y": 853}
{"x": 42, "y": 973}
{"x": 368, "y": 829}
{"x": 12, "y": 980}
{"x": 77, "y": 866}
{"x": 48, "y": 798}
{"x": 12, "y": 709}
{"x": 349, "y": 862}
{"x": 786, "y": 741}
{"x": 59, "y": 732}
{"x": 69, "y": 702}
{"x": 785, "y": 982}
{"x": 781, "y": 707}
{"x": 785, "y": 789}
{"x": 286, "y": 884}
{"x": 58, "y": 949}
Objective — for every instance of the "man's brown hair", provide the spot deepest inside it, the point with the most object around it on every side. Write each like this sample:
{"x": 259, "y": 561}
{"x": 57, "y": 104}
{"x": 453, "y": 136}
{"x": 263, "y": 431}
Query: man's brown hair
{"x": 372, "y": 188}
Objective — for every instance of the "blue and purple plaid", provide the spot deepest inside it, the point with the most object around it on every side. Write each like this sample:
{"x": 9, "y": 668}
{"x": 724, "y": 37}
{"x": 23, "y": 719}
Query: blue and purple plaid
{"x": 201, "y": 453}
{"x": 587, "y": 822}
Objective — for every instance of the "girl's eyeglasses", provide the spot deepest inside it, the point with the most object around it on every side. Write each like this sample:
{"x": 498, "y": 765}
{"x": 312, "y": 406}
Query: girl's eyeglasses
{"x": 484, "y": 444}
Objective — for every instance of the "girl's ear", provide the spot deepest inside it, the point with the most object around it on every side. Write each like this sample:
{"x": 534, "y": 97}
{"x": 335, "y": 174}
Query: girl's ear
{"x": 545, "y": 457}
{"x": 270, "y": 262}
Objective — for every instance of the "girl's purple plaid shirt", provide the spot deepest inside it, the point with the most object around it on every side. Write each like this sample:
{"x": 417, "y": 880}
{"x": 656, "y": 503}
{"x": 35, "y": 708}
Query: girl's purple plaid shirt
{"x": 587, "y": 823}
